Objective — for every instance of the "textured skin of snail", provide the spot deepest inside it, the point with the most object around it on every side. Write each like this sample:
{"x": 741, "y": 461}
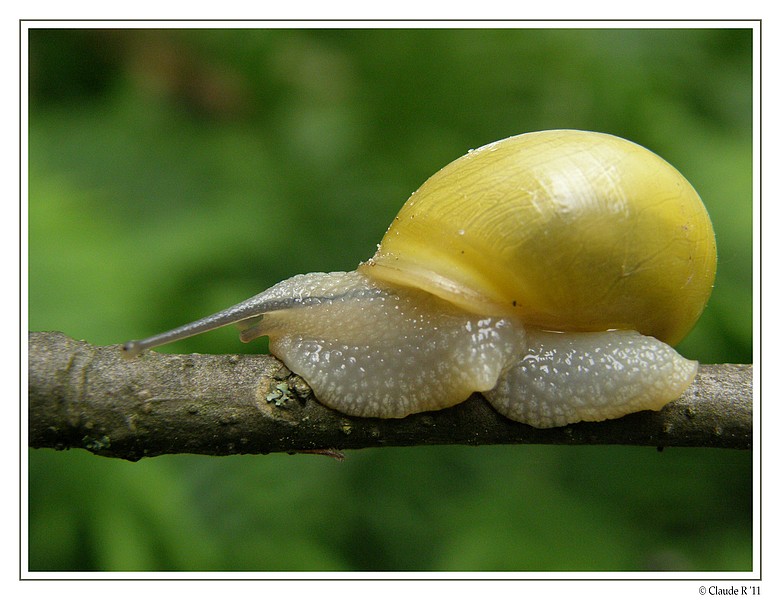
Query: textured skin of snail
{"x": 551, "y": 271}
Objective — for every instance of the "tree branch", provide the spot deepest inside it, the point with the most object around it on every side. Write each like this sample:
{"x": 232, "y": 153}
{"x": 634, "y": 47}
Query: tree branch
{"x": 83, "y": 396}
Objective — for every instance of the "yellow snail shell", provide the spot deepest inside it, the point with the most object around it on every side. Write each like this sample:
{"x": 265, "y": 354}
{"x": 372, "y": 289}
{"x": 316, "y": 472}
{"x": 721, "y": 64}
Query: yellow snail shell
{"x": 551, "y": 271}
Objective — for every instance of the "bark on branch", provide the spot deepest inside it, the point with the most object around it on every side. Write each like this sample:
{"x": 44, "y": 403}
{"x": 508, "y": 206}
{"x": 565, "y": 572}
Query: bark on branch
{"x": 83, "y": 396}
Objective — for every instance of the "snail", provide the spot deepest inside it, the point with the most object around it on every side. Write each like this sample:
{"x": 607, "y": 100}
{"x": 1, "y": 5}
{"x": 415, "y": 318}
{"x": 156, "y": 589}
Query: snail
{"x": 551, "y": 271}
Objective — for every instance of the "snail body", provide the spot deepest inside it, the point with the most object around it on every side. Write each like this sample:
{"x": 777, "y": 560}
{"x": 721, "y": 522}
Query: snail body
{"x": 551, "y": 271}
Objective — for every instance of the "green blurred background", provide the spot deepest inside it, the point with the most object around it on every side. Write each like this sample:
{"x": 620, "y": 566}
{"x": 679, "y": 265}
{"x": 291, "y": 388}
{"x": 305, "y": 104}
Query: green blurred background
{"x": 175, "y": 172}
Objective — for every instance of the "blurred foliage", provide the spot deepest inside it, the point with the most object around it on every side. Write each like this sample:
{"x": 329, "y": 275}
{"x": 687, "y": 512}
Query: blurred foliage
{"x": 174, "y": 172}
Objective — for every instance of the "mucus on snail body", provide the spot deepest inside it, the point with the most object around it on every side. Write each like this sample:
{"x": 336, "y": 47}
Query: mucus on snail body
{"x": 551, "y": 271}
